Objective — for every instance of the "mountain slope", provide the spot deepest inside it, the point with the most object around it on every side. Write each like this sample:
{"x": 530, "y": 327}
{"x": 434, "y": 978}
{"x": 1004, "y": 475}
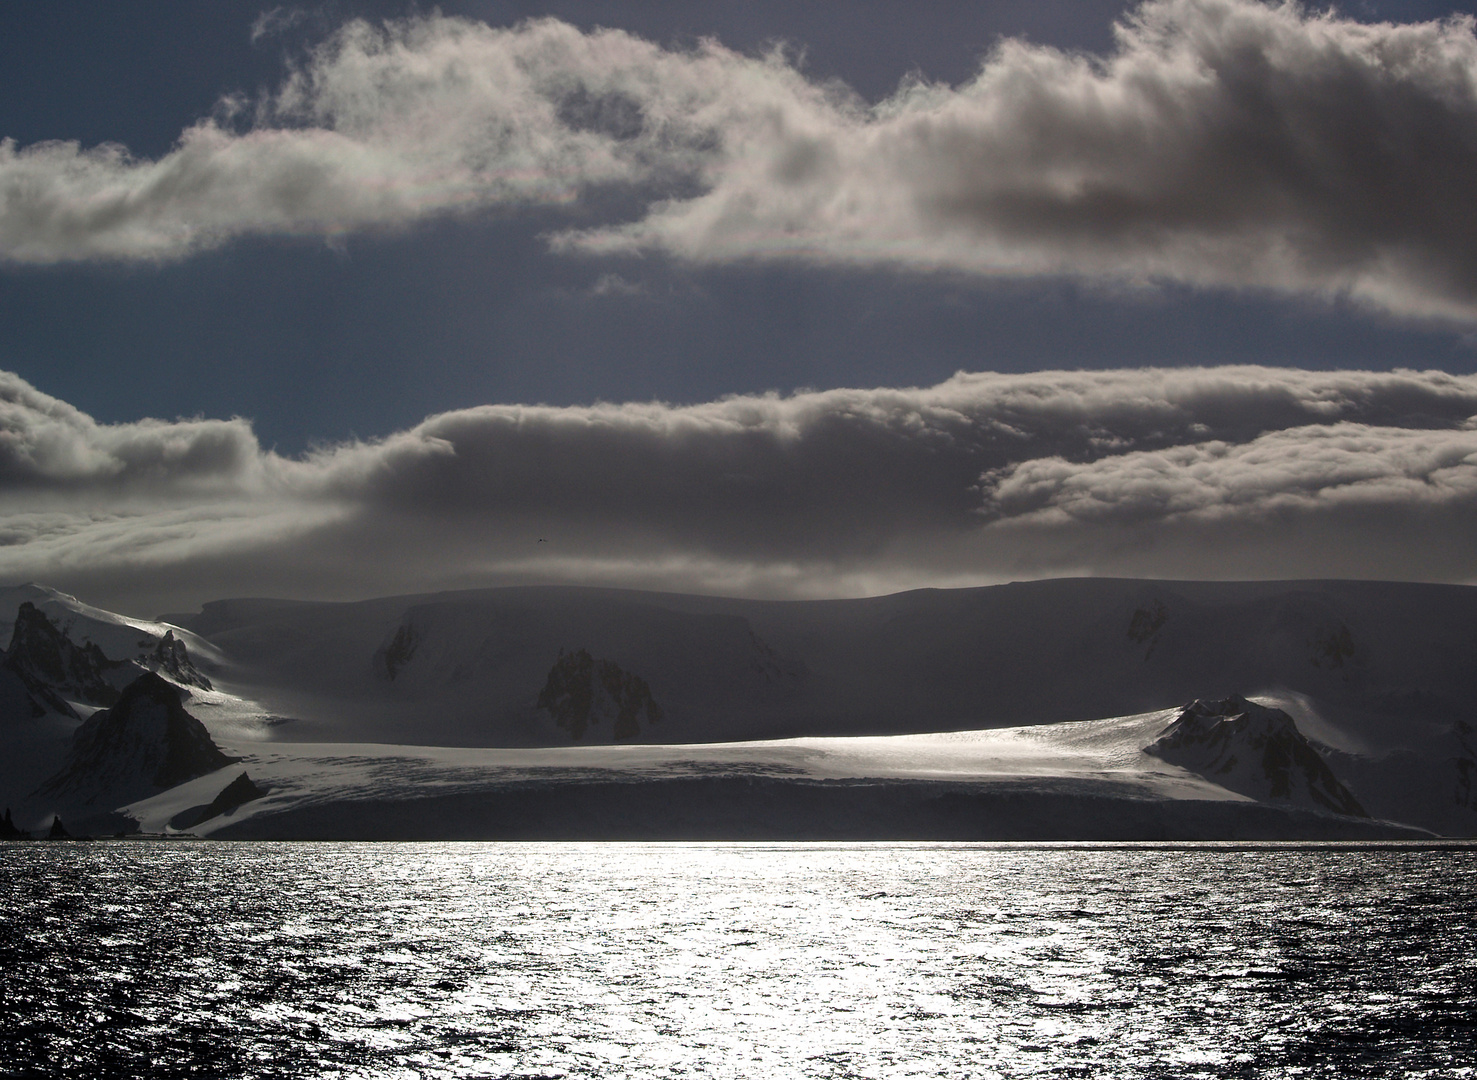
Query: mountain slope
{"x": 86, "y": 649}
{"x": 931, "y": 660}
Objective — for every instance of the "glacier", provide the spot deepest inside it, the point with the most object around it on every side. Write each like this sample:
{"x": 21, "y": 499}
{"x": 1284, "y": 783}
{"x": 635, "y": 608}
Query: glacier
{"x": 1067, "y": 709}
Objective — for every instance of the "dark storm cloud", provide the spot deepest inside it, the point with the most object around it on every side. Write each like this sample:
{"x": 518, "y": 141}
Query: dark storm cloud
{"x": 1222, "y": 143}
{"x": 1199, "y": 472}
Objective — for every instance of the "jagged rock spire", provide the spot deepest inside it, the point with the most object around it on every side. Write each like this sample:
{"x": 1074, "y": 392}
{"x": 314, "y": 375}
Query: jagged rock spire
{"x": 51, "y": 665}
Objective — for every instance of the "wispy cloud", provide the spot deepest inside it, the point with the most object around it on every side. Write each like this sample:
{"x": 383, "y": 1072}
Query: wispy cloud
{"x": 1223, "y": 143}
{"x": 276, "y": 20}
{"x": 1187, "y": 472}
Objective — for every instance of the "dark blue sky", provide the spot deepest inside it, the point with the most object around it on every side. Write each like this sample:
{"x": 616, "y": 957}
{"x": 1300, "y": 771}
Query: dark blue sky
{"x": 318, "y": 342}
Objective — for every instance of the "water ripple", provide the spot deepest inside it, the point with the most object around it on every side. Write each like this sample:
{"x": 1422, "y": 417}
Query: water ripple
{"x": 856, "y": 960}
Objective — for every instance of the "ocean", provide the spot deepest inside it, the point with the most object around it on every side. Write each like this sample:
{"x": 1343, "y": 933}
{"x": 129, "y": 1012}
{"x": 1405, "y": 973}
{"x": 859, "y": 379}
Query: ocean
{"x": 219, "y": 959}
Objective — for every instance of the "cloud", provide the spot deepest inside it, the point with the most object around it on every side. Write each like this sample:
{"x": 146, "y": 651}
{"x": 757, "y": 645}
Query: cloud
{"x": 1302, "y": 471}
{"x": 47, "y": 445}
{"x": 1222, "y": 143}
{"x": 1218, "y": 472}
{"x": 275, "y": 21}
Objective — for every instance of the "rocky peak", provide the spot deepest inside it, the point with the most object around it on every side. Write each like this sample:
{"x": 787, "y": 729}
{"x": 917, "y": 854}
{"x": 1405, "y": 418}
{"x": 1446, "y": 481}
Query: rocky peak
{"x": 231, "y": 798}
{"x": 170, "y": 656}
{"x": 145, "y": 743}
{"x": 52, "y": 665}
{"x": 1254, "y": 750}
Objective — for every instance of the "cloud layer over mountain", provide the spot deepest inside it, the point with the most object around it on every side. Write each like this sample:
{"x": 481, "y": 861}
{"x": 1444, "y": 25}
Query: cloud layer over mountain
{"x": 1226, "y": 472}
{"x": 1223, "y": 143}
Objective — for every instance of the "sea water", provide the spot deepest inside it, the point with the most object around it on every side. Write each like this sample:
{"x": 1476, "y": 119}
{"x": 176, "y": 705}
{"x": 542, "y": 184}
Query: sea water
{"x": 654, "y": 960}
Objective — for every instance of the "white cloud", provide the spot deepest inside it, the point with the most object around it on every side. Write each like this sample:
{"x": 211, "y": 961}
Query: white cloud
{"x": 1223, "y": 143}
{"x": 46, "y": 444}
{"x": 1301, "y": 471}
{"x": 1221, "y": 472}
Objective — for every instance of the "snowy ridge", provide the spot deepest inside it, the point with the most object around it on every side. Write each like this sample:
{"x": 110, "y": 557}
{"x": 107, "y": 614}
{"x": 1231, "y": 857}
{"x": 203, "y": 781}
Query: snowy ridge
{"x": 117, "y": 635}
{"x": 54, "y": 668}
{"x": 87, "y": 655}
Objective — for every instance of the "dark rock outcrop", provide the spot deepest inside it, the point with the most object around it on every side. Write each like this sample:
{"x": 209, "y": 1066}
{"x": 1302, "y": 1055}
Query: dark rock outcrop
{"x": 394, "y": 654}
{"x": 170, "y": 656}
{"x": 8, "y": 831}
{"x": 143, "y": 744}
{"x": 51, "y": 665}
{"x": 233, "y": 796}
{"x": 58, "y": 831}
{"x": 581, "y": 692}
{"x": 1254, "y": 750}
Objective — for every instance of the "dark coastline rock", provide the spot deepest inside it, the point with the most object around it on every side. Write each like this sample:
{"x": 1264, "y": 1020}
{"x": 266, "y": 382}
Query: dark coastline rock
{"x": 726, "y": 808}
{"x": 232, "y": 797}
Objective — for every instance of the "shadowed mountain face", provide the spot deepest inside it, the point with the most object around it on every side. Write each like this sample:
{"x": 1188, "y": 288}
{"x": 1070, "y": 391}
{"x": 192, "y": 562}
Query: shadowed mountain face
{"x": 144, "y": 744}
{"x": 1254, "y": 750}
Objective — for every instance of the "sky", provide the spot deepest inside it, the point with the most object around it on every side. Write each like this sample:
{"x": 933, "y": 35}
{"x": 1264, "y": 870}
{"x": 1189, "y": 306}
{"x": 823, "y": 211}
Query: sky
{"x": 773, "y": 299}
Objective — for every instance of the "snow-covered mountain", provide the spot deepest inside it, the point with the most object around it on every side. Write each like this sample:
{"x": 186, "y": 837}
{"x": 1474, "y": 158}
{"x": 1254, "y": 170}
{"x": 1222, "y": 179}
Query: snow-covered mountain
{"x": 1335, "y": 699}
{"x": 467, "y": 668}
{"x": 53, "y": 667}
{"x": 85, "y": 653}
{"x": 65, "y": 661}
